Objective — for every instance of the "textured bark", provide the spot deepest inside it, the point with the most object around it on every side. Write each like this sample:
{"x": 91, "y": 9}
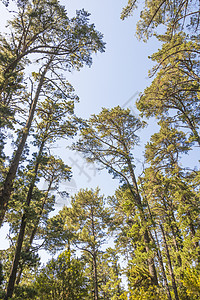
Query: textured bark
{"x": 176, "y": 234}
{"x": 96, "y": 297}
{"x": 160, "y": 260}
{"x": 150, "y": 260}
{"x": 11, "y": 282}
{"x": 147, "y": 240}
{"x": 169, "y": 264}
{"x": 159, "y": 254}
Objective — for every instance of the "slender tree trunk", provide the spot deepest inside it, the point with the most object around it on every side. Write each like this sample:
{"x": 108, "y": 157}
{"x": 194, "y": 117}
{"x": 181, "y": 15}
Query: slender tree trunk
{"x": 34, "y": 231}
{"x": 96, "y": 292}
{"x": 176, "y": 245}
{"x": 13, "y": 273}
{"x": 11, "y": 282}
{"x": 177, "y": 239}
{"x": 150, "y": 260}
{"x": 96, "y": 297}
{"x": 159, "y": 255}
{"x": 169, "y": 264}
{"x": 147, "y": 240}
{"x": 8, "y": 183}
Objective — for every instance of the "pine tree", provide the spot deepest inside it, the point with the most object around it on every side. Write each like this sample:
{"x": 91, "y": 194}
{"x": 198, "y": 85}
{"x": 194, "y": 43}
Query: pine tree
{"x": 62, "y": 278}
{"x": 90, "y": 218}
{"x": 109, "y": 139}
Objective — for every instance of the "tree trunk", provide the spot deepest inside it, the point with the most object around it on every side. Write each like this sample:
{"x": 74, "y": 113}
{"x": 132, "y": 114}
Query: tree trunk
{"x": 96, "y": 296}
{"x": 13, "y": 273}
{"x": 11, "y": 282}
{"x": 96, "y": 293}
{"x": 177, "y": 239}
{"x": 150, "y": 260}
{"x": 169, "y": 264}
{"x": 160, "y": 260}
{"x": 8, "y": 183}
{"x": 34, "y": 231}
{"x": 159, "y": 254}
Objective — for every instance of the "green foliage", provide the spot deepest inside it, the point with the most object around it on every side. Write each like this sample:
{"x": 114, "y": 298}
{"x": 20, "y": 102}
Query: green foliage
{"x": 170, "y": 13}
{"x": 109, "y": 138}
{"x": 166, "y": 148}
{"x": 87, "y": 219}
{"x": 110, "y": 276}
{"x": 24, "y": 291}
{"x": 140, "y": 286}
{"x": 191, "y": 282}
{"x": 174, "y": 93}
{"x": 62, "y": 278}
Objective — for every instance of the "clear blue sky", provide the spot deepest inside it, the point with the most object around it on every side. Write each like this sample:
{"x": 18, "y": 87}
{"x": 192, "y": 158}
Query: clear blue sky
{"x": 122, "y": 70}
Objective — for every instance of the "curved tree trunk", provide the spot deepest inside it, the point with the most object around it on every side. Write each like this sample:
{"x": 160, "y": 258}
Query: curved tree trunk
{"x": 13, "y": 273}
{"x": 8, "y": 183}
{"x": 34, "y": 231}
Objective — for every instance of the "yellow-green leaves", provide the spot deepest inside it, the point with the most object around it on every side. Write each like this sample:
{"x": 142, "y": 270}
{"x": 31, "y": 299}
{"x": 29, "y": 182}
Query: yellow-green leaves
{"x": 171, "y": 14}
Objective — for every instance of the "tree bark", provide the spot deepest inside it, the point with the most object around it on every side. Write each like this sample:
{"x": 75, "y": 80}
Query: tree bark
{"x": 159, "y": 255}
{"x": 169, "y": 264}
{"x": 177, "y": 239}
{"x": 11, "y": 282}
{"x": 34, "y": 231}
{"x": 96, "y": 292}
{"x": 147, "y": 240}
{"x": 96, "y": 297}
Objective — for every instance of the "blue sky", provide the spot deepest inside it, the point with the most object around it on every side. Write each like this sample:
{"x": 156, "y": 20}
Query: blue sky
{"x": 122, "y": 70}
